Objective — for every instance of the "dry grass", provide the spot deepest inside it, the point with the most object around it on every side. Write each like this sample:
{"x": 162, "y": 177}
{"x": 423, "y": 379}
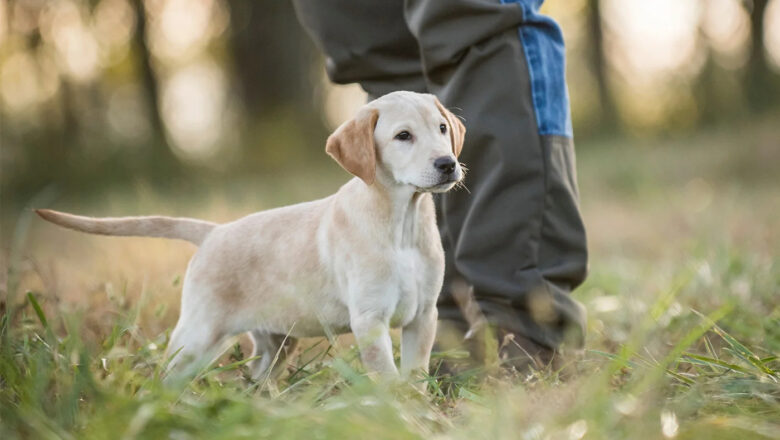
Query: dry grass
{"x": 678, "y": 231}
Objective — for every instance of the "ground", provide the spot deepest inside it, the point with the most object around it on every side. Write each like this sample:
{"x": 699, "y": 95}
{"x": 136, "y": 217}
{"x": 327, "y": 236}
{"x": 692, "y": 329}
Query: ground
{"x": 683, "y": 328}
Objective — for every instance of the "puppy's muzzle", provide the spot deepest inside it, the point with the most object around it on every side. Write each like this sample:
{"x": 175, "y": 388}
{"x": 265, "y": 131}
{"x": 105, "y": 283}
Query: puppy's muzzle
{"x": 447, "y": 168}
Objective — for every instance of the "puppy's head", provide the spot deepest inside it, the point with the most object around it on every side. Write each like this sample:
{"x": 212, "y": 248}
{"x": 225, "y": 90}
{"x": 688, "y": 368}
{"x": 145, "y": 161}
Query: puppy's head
{"x": 402, "y": 138}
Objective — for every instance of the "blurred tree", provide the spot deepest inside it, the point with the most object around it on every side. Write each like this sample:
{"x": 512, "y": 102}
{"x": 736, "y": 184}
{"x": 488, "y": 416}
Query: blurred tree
{"x": 599, "y": 65}
{"x": 149, "y": 81}
{"x": 708, "y": 85}
{"x": 272, "y": 57}
{"x": 760, "y": 82}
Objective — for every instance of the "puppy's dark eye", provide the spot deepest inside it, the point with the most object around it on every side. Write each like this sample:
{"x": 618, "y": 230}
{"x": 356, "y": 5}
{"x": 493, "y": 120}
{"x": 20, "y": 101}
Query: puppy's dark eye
{"x": 404, "y": 136}
{"x": 443, "y": 129}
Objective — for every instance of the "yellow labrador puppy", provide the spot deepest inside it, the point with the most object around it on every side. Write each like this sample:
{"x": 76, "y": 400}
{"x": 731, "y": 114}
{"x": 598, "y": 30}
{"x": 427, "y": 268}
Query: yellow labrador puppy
{"x": 365, "y": 259}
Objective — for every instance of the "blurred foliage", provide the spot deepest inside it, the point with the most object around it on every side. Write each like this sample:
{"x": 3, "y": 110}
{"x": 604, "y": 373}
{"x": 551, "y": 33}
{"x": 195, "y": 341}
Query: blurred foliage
{"x": 183, "y": 93}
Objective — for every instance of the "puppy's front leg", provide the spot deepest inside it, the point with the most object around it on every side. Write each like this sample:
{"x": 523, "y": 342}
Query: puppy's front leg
{"x": 417, "y": 341}
{"x": 373, "y": 337}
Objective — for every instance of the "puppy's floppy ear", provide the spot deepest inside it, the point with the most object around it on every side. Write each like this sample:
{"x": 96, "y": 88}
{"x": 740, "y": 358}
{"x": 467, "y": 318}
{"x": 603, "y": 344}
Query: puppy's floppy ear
{"x": 352, "y": 145}
{"x": 457, "y": 129}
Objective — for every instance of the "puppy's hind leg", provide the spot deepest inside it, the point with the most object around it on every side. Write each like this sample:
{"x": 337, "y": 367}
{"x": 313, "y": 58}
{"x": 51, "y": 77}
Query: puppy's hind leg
{"x": 194, "y": 344}
{"x": 273, "y": 350}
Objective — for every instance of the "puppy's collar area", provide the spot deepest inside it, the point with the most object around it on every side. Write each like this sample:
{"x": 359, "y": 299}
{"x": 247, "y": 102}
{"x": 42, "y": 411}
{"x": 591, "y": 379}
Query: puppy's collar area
{"x": 443, "y": 187}
{"x": 391, "y": 182}
{"x": 439, "y": 187}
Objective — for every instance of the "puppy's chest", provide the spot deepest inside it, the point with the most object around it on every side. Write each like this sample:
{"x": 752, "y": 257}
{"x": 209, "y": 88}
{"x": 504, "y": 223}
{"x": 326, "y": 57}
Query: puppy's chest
{"x": 414, "y": 278}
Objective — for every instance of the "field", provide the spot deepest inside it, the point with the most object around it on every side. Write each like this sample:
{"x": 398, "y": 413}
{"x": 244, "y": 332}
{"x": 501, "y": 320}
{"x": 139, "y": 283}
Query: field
{"x": 683, "y": 329}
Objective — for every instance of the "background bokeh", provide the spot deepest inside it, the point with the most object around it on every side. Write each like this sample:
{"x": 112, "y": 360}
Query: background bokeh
{"x": 99, "y": 93}
{"x": 219, "y": 108}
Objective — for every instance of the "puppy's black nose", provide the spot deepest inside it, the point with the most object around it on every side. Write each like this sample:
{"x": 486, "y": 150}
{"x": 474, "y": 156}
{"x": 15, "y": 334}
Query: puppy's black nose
{"x": 445, "y": 164}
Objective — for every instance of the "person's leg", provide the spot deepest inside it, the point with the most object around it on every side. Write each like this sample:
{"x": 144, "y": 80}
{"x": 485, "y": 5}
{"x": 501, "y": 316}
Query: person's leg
{"x": 365, "y": 42}
{"x": 517, "y": 234}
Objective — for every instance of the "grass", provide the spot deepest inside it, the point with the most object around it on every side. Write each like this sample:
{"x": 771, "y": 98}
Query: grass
{"x": 683, "y": 328}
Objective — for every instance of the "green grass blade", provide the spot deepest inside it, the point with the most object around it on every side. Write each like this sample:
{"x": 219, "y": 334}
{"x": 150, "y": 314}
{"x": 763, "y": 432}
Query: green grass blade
{"x": 704, "y": 360}
{"x": 38, "y": 311}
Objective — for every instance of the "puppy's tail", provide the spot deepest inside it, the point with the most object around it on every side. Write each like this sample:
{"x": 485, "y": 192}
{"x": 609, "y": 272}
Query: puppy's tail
{"x": 194, "y": 231}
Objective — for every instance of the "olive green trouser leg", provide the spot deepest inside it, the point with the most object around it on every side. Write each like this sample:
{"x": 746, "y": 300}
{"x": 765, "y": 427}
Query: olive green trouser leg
{"x": 516, "y": 235}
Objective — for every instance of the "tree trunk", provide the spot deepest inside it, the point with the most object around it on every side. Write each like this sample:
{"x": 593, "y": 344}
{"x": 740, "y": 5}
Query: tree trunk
{"x": 272, "y": 56}
{"x": 599, "y": 66}
{"x": 149, "y": 80}
{"x": 760, "y": 81}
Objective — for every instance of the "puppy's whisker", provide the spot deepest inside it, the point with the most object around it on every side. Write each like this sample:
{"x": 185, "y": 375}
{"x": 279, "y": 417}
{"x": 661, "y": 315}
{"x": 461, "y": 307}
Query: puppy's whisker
{"x": 461, "y": 184}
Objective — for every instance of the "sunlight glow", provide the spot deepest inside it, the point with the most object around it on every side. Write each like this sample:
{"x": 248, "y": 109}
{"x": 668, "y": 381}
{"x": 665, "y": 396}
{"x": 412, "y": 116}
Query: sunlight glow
{"x": 3, "y": 21}
{"x": 726, "y": 24}
{"x": 114, "y": 23}
{"x": 181, "y": 29}
{"x": 194, "y": 87}
{"x": 18, "y": 81}
{"x": 63, "y": 26}
{"x": 772, "y": 33}
{"x": 193, "y": 100}
{"x": 28, "y": 79}
{"x": 652, "y": 38}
